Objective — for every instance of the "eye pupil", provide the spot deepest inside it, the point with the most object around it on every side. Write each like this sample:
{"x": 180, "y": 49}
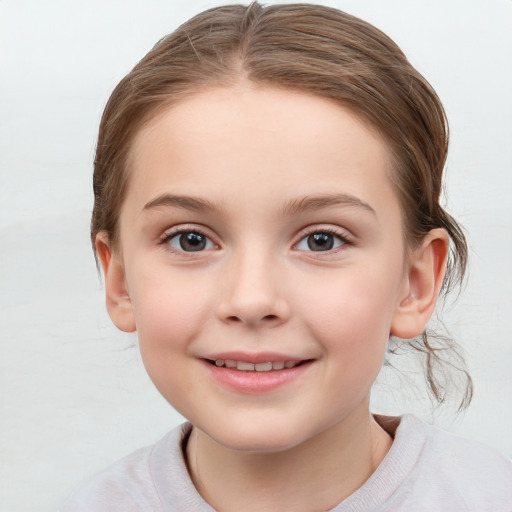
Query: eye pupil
{"x": 320, "y": 242}
{"x": 192, "y": 241}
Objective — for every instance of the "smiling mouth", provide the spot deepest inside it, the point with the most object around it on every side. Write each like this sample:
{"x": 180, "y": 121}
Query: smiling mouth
{"x": 255, "y": 367}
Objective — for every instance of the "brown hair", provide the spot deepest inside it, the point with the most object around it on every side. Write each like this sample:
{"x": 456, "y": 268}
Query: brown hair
{"x": 309, "y": 48}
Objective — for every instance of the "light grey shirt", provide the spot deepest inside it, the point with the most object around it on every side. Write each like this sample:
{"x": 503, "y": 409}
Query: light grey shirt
{"x": 426, "y": 470}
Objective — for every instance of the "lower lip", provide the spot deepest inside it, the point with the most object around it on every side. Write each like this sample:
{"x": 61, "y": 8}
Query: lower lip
{"x": 253, "y": 382}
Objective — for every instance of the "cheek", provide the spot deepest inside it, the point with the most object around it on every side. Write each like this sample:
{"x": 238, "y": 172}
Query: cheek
{"x": 361, "y": 304}
{"x": 169, "y": 310}
{"x": 169, "y": 314}
{"x": 350, "y": 317}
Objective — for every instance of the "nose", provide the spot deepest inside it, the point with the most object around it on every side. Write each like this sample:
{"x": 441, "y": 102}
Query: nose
{"x": 253, "y": 292}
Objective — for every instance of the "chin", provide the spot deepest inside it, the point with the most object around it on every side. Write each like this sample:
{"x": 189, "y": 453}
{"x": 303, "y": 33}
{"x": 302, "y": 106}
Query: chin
{"x": 258, "y": 437}
{"x": 258, "y": 444}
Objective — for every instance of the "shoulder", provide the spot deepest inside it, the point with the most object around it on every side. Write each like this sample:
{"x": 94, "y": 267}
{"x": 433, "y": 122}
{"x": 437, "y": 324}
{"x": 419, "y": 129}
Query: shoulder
{"x": 128, "y": 485}
{"x": 452, "y": 469}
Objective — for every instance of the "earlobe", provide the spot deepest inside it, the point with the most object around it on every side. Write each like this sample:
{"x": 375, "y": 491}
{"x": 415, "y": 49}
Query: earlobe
{"x": 118, "y": 302}
{"x": 422, "y": 283}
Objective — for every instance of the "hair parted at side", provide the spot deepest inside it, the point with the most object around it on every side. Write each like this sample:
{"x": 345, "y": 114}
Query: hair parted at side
{"x": 310, "y": 48}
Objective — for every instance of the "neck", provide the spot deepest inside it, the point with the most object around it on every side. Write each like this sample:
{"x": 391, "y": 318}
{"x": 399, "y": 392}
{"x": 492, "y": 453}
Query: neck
{"x": 314, "y": 476}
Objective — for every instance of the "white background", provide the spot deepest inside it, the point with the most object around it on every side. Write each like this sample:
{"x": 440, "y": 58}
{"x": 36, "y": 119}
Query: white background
{"x": 73, "y": 393}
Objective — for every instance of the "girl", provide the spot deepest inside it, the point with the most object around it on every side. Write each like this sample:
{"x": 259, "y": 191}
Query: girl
{"x": 267, "y": 216}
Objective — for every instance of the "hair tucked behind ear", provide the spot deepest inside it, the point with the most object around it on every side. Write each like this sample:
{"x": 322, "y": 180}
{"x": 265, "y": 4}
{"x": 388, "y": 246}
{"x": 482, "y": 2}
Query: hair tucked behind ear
{"x": 308, "y": 48}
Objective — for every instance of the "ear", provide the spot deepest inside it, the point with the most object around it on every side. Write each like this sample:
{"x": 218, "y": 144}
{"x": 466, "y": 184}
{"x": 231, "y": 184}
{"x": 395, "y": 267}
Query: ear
{"x": 422, "y": 283}
{"x": 119, "y": 304}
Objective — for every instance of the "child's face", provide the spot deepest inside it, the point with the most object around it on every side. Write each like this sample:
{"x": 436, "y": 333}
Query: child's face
{"x": 219, "y": 261}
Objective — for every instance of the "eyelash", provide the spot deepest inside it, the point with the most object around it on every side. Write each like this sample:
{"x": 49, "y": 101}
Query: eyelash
{"x": 170, "y": 235}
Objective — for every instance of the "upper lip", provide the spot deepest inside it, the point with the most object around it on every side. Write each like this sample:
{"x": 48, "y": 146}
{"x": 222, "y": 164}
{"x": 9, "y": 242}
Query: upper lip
{"x": 257, "y": 357}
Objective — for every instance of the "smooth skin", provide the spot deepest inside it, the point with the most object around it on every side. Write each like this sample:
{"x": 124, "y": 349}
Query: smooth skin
{"x": 250, "y": 175}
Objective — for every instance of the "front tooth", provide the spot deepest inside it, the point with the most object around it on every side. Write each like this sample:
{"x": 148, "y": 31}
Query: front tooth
{"x": 278, "y": 365}
{"x": 240, "y": 365}
{"x": 230, "y": 364}
{"x": 263, "y": 367}
{"x": 289, "y": 364}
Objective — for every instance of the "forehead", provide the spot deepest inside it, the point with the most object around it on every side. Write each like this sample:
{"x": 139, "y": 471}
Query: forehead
{"x": 258, "y": 143}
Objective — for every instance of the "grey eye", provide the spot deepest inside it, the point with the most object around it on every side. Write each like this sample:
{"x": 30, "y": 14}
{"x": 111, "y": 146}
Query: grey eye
{"x": 320, "y": 241}
{"x": 191, "y": 241}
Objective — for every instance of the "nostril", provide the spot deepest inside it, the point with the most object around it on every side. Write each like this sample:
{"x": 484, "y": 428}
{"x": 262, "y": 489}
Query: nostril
{"x": 266, "y": 318}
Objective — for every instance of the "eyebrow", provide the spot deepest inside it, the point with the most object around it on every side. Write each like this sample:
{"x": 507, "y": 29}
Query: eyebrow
{"x": 186, "y": 202}
{"x": 317, "y": 202}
